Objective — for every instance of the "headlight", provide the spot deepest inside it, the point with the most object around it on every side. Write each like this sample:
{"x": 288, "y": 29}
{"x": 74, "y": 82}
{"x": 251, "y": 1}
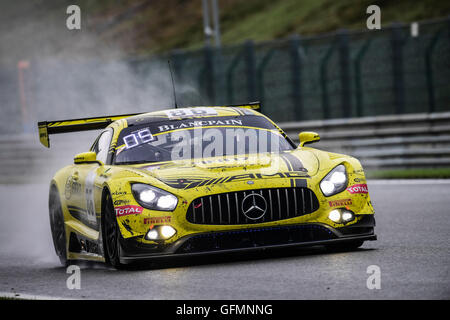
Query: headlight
{"x": 341, "y": 216}
{"x": 335, "y": 181}
{"x": 154, "y": 198}
{"x": 160, "y": 233}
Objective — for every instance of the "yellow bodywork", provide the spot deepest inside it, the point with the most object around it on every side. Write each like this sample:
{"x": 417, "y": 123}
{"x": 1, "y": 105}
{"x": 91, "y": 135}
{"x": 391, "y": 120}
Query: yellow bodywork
{"x": 117, "y": 179}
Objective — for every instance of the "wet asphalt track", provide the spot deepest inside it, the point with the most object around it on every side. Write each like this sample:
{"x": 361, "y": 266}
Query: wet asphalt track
{"x": 412, "y": 252}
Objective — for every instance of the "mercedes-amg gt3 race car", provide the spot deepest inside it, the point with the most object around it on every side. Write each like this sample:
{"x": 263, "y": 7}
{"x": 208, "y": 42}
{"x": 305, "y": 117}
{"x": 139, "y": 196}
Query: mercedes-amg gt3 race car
{"x": 198, "y": 180}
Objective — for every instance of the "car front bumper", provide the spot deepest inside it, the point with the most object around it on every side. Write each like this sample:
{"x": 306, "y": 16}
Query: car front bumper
{"x": 283, "y": 236}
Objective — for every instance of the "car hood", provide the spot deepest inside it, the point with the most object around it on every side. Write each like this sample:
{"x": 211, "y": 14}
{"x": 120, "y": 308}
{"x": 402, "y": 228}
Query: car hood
{"x": 183, "y": 174}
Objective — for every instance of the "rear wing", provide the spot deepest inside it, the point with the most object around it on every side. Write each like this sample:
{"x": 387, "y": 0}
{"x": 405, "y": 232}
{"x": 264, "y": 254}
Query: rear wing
{"x": 46, "y": 128}
{"x": 251, "y": 105}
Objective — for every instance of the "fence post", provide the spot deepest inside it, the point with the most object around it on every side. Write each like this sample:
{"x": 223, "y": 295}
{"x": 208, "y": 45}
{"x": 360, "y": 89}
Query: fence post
{"x": 429, "y": 69}
{"x": 251, "y": 75}
{"x": 296, "y": 77}
{"x": 230, "y": 71}
{"x": 323, "y": 80}
{"x": 344, "y": 62}
{"x": 260, "y": 75}
{"x": 358, "y": 81}
{"x": 397, "y": 68}
{"x": 209, "y": 74}
{"x": 177, "y": 63}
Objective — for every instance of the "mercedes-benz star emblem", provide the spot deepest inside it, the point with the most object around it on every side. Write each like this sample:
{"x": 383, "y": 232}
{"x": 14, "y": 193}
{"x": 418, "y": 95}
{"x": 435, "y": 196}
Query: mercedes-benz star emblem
{"x": 254, "y": 206}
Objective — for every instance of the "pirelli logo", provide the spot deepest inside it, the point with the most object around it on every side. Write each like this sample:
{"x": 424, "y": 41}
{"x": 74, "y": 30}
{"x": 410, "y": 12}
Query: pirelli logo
{"x": 340, "y": 203}
{"x": 156, "y": 220}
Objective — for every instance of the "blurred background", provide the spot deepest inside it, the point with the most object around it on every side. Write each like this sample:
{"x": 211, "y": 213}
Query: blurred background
{"x": 380, "y": 95}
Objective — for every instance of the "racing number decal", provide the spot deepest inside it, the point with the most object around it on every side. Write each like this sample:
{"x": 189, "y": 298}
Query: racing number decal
{"x": 186, "y": 112}
{"x": 89, "y": 194}
{"x": 137, "y": 138}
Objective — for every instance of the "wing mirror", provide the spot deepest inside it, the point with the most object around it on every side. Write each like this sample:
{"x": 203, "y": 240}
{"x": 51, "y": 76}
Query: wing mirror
{"x": 308, "y": 137}
{"x": 86, "y": 157}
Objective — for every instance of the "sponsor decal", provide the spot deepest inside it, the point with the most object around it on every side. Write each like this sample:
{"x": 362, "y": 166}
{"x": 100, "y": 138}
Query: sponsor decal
{"x": 358, "y": 188}
{"x": 340, "y": 203}
{"x": 137, "y": 138}
{"x": 189, "y": 183}
{"x": 154, "y": 220}
{"x": 89, "y": 196}
{"x": 126, "y": 210}
{"x": 119, "y": 193}
{"x": 188, "y": 112}
{"x": 121, "y": 202}
{"x": 71, "y": 187}
{"x": 359, "y": 180}
{"x": 200, "y": 123}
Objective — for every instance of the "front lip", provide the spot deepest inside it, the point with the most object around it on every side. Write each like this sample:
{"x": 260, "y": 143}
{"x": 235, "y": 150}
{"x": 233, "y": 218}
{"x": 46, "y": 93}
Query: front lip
{"x": 134, "y": 251}
{"x": 143, "y": 257}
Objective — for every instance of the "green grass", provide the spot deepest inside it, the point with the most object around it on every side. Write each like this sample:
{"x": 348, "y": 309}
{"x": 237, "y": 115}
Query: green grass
{"x": 423, "y": 173}
{"x": 169, "y": 24}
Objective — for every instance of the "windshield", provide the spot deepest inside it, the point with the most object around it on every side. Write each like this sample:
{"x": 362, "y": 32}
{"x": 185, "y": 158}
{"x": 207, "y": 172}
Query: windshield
{"x": 198, "y": 138}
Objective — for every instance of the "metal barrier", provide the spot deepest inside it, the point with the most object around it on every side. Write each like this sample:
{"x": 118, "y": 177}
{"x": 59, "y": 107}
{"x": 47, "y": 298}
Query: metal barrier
{"x": 395, "y": 141}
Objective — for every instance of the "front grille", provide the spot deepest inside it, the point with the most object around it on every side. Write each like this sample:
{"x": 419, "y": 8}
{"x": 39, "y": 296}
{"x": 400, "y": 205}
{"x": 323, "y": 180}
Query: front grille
{"x": 226, "y": 208}
{"x": 253, "y": 238}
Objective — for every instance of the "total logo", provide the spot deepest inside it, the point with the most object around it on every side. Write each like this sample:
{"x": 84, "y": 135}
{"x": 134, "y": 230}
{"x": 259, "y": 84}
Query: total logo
{"x": 358, "y": 188}
{"x": 126, "y": 210}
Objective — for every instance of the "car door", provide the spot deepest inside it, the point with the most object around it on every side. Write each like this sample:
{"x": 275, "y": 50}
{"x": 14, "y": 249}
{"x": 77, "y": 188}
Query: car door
{"x": 86, "y": 176}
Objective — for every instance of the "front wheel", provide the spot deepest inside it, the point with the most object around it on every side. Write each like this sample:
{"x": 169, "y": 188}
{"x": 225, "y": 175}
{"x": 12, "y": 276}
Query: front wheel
{"x": 57, "y": 225}
{"x": 111, "y": 234}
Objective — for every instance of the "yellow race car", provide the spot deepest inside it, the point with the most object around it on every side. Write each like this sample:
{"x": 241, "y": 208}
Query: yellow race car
{"x": 198, "y": 180}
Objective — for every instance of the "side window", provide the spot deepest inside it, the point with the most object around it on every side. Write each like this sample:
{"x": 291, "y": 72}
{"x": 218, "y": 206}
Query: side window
{"x": 101, "y": 146}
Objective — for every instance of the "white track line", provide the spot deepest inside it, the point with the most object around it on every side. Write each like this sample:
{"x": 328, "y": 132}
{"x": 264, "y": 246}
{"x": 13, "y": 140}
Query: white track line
{"x": 17, "y": 295}
{"x": 407, "y": 181}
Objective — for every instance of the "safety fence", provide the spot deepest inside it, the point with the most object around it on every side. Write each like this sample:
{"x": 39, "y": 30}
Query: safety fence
{"x": 340, "y": 75}
{"x": 345, "y": 74}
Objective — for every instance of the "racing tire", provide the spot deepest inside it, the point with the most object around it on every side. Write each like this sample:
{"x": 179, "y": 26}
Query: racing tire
{"x": 111, "y": 234}
{"x": 57, "y": 225}
{"x": 345, "y": 246}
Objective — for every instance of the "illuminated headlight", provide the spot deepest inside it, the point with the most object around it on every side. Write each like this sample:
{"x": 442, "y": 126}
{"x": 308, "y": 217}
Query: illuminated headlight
{"x": 347, "y": 216}
{"x": 167, "y": 232}
{"x": 341, "y": 216}
{"x": 335, "y": 216}
{"x": 154, "y": 198}
{"x": 152, "y": 235}
{"x": 160, "y": 233}
{"x": 335, "y": 181}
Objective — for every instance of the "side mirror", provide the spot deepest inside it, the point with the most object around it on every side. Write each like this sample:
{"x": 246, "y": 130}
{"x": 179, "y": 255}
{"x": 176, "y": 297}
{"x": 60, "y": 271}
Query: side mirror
{"x": 308, "y": 137}
{"x": 86, "y": 157}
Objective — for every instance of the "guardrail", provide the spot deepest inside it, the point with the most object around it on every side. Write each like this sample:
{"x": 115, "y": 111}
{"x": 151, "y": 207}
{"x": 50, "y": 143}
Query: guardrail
{"x": 394, "y": 141}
